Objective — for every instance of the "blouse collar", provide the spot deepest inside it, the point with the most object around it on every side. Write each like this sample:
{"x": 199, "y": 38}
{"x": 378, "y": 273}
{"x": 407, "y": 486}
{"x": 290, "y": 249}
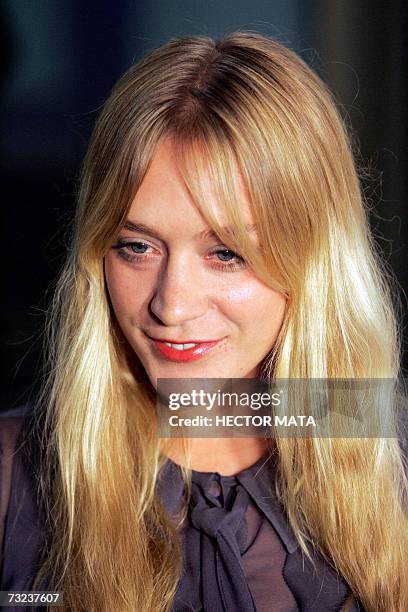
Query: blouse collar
{"x": 258, "y": 481}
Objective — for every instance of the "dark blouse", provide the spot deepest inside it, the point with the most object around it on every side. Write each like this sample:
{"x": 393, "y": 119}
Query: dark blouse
{"x": 240, "y": 553}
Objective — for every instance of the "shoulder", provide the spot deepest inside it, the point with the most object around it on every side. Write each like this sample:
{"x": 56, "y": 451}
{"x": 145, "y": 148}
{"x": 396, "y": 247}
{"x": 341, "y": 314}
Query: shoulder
{"x": 19, "y": 446}
{"x": 13, "y": 427}
{"x": 402, "y": 426}
{"x": 21, "y": 519}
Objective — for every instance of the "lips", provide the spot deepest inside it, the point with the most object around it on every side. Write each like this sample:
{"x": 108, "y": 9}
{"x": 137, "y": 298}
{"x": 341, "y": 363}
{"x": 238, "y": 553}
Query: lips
{"x": 187, "y": 350}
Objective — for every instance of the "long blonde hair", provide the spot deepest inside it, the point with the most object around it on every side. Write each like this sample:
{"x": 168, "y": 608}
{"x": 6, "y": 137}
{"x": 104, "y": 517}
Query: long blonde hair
{"x": 243, "y": 102}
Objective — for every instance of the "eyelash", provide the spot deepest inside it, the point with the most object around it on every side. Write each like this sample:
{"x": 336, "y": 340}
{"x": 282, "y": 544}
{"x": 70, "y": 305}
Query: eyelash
{"x": 122, "y": 245}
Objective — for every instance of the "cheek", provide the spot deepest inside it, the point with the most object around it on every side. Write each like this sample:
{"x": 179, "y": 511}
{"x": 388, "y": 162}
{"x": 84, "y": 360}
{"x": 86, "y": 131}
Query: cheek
{"x": 125, "y": 296}
{"x": 254, "y": 305}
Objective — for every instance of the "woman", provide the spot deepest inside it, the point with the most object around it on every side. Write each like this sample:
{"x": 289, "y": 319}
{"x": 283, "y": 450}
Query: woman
{"x": 219, "y": 209}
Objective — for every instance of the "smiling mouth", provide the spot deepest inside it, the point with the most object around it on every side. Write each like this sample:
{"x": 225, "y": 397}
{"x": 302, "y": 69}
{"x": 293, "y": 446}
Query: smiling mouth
{"x": 188, "y": 350}
{"x": 181, "y": 347}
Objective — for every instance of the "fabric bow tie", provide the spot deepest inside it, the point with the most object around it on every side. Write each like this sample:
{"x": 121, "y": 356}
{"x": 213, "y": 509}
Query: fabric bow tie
{"x": 222, "y": 531}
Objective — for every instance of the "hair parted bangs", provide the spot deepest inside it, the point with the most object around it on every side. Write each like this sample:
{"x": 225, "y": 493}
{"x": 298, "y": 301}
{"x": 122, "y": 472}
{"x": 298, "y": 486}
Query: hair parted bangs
{"x": 213, "y": 176}
{"x": 260, "y": 114}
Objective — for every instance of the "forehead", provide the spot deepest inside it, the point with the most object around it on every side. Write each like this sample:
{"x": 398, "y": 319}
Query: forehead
{"x": 164, "y": 194}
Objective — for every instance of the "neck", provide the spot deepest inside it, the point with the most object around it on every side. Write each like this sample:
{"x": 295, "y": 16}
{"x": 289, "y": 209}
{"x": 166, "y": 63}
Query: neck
{"x": 228, "y": 456}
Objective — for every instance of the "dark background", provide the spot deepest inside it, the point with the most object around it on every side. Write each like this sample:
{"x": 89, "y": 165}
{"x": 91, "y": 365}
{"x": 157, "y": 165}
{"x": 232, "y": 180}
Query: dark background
{"x": 61, "y": 58}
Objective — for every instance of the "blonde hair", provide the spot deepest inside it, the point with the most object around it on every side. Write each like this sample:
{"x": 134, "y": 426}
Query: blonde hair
{"x": 243, "y": 102}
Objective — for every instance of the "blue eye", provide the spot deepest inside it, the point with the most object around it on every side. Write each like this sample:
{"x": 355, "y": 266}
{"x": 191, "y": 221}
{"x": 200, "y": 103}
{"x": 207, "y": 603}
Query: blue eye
{"x": 227, "y": 260}
{"x": 225, "y": 255}
{"x": 138, "y": 247}
{"x": 133, "y": 251}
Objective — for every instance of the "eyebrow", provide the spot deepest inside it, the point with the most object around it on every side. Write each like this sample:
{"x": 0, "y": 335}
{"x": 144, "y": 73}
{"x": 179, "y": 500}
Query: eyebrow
{"x": 145, "y": 229}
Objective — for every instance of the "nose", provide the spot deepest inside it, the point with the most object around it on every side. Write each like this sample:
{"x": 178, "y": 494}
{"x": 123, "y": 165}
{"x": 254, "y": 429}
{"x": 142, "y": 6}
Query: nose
{"x": 180, "y": 294}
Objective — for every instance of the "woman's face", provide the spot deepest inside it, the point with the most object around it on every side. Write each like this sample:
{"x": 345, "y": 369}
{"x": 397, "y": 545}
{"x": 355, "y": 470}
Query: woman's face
{"x": 172, "y": 282}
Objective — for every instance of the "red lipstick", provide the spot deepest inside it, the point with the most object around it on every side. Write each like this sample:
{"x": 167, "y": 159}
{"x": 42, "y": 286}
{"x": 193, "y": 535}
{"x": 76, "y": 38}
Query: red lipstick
{"x": 188, "y": 353}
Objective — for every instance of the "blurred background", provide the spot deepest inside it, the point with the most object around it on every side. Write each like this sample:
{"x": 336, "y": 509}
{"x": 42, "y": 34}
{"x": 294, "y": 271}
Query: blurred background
{"x": 60, "y": 59}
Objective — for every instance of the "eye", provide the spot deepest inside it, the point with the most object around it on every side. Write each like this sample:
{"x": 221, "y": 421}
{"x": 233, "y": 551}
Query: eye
{"x": 138, "y": 247}
{"x": 134, "y": 250}
{"x": 226, "y": 255}
{"x": 226, "y": 260}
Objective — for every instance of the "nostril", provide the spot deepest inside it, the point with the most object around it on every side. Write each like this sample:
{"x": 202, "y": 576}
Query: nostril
{"x": 154, "y": 316}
